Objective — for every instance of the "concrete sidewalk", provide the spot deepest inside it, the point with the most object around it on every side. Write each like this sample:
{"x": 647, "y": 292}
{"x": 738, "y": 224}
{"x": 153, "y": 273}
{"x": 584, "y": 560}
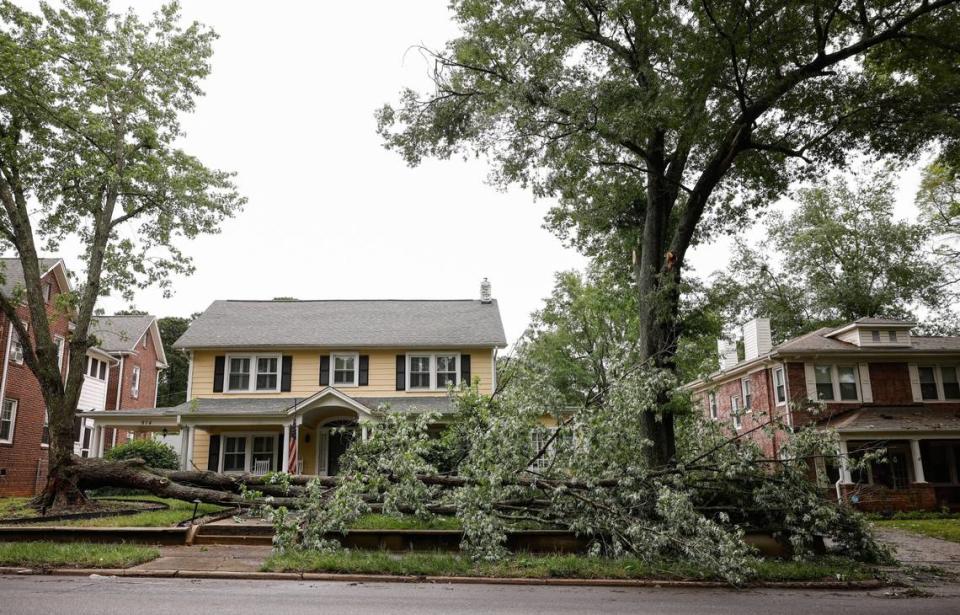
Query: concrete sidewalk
{"x": 219, "y": 558}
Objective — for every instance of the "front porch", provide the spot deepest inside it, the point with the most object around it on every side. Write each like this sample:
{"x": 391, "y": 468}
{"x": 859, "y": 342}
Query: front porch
{"x": 249, "y": 435}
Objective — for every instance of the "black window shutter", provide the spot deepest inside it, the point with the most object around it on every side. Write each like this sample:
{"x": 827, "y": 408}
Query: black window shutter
{"x": 279, "y": 458}
{"x": 325, "y": 370}
{"x": 286, "y": 374}
{"x": 401, "y": 372}
{"x": 465, "y": 369}
{"x": 364, "y": 375}
{"x": 213, "y": 458}
{"x": 218, "y": 369}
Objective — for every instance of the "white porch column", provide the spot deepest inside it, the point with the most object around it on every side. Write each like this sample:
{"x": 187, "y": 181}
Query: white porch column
{"x": 95, "y": 441}
{"x": 186, "y": 447}
{"x": 100, "y": 441}
{"x": 364, "y": 434}
{"x": 845, "y": 476}
{"x": 285, "y": 453}
{"x": 917, "y": 462}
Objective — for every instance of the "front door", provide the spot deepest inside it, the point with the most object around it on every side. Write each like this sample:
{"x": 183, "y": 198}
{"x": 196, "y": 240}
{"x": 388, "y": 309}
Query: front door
{"x": 336, "y": 447}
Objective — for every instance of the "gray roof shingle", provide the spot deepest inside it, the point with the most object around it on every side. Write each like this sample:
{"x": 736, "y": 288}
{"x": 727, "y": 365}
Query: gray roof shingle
{"x": 897, "y": 419}
{"x": 346, "y": 324}
{"x": 12, "y": 272}
{"x": 120, "y": 333}
{"x": 817, "y": 341}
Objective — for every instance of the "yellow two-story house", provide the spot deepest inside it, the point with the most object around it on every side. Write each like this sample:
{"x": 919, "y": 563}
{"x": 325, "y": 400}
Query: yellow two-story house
{"x": 269, "y": 381}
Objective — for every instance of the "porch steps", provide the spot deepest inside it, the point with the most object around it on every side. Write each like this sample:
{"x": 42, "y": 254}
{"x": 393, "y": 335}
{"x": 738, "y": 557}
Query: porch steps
{"x": 229, "y": 532}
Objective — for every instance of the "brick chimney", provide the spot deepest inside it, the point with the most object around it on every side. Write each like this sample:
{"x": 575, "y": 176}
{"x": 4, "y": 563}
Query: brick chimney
{"x": 485, "y": 291}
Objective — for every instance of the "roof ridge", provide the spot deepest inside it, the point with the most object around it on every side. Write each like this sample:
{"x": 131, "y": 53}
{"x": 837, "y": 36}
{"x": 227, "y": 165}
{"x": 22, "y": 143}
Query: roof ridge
{"x": 344, "y": 300}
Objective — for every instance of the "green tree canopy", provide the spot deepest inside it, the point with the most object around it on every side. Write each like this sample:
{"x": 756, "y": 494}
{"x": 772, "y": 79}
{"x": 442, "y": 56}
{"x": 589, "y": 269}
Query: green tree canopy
{"x": 841, "y": 255}
{"x": 172, "y": 388}
{"x": 658, "y": 125}
{"x": 90, "y": 106}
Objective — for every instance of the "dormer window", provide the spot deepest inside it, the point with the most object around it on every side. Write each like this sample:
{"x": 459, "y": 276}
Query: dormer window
{"x": 875, "y": 335}
{"x": 893, "y": 336}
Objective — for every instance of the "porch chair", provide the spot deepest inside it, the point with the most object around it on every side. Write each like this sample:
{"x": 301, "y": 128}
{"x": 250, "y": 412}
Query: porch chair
{"x": 261, "y": 467}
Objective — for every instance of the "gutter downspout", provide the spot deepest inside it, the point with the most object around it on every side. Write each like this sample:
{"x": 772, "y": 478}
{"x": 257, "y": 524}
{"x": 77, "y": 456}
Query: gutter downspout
{"x": 6, "y": 363}
{"x": 190, "y": 377}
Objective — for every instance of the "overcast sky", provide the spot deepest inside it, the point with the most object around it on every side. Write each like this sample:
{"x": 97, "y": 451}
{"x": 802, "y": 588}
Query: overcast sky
{"x": 331, "y": 214}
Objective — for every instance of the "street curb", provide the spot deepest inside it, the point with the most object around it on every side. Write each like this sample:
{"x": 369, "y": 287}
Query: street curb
{"x": 377, "y": 578}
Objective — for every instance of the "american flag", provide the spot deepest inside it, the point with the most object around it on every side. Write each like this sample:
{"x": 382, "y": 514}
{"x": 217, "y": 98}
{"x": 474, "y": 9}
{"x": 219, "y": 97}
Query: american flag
{"x": 292, "y": 463}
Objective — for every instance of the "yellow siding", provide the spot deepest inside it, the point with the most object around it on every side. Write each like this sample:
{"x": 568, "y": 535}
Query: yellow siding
{"x": 305, "y": 379}
{"x": 307, "y": 450}
{"x": 201, "y": 448}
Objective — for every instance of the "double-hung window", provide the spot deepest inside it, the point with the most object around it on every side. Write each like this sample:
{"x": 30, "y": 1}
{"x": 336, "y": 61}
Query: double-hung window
{"x": 824, "y": 379}
{"x": 939, "y": 382}
{"x": 252, "y": 373}
{"x": 712, "y": 400}
{"x": 836, "y": 382}
{"x": 263, "y": 451}
{"x": 780, "y": 386}
{"x": 747, "y": 395}
{"x": 420, "y": 372}
{"x": 344, "y": 369}
{"x": 135, "y": 382}
{"x": 239, "y": 377}
{"x": 235, "y": 454}
{"x": 735, "y": 412}
{"x": 446, "y": 370}
{"x": 8, "y": 420}
{"x": 16, "y": 346}
{"x": 267, "y": 373}
{"x": 847, "y": 379}
{"x": 432, "y": 371}
{"x": 97, "y": 369}
{"x": 61, "y": 344}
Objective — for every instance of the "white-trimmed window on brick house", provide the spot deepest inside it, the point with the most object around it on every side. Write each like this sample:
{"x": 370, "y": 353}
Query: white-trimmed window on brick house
{"x": 836, "y": 382}
{"x": 712, "y": 404}
{"x": 61, "y": 347}
{"x": 432, "y": 371}
{"x": 16, "y": 346}
{"x": 939, "y": 382}
{"x": 135, "y": 381}
{"x": 252, "y": 373}
{"x": 97, "y": 369}
{"x": 745, "y": 388}
{"x": 345, "y": 369}
{"x": 45, "y": 435}
{"x": 8, "y": 420}
{"x": 780, "y": 386}
{"x": 47, "y": 292}
{"x": 735, "y": 412}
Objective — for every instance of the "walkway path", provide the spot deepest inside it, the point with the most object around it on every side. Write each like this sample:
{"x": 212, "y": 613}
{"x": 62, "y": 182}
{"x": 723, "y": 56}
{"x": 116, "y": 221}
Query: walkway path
{"x": 222, "y": 558}
{"x": 917, "y": 549}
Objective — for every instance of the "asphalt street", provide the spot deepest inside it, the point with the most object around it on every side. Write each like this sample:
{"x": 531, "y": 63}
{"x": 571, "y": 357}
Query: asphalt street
{"x": 48, "y": 595}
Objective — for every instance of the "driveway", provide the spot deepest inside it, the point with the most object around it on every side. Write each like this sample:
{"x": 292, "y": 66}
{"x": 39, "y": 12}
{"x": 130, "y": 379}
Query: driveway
{"x": 39, "y": 595}
{"x": 919, "y": 550}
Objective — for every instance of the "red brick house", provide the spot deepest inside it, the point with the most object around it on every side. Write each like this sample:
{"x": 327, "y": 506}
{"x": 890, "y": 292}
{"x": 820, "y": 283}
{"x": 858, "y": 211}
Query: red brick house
{"x": 23, "y": 420}
{"x": 133, "y": 340}
{"x": 874, "y": 382}
{"x": 120, "y": 374}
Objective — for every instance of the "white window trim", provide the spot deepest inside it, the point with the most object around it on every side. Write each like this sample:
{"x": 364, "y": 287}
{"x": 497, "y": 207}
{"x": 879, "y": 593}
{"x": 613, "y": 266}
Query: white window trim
{"x": 252, "y": 384}
{"x": 248, "y": 448}
{"x": 744, "y": 383}
{"x": 13, "y": 420}
{"x": 712, "y": 405}
{"x": 835, "y": 381}
{"x": 135, "y": 382}
{"x": 61, "y": 349}
{"x": 18, "y": 359}
{"x": 735, "y": 410}
{"x": 783, "y": 374}
{"x": 356, "y": 369}
{"x": 938, "y": 378}
{"x": 433, "y": 369}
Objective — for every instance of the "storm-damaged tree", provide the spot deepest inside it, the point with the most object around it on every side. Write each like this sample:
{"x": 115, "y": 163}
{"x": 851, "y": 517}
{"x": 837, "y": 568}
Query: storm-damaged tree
{"x": 657, "y": 125}
{"x": 89, "y": 118}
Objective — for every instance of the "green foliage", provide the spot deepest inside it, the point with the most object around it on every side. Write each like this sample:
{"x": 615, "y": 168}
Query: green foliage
{"x": 841, "y": 255}
{"x": 177, "y": 512}
{"x": 155, "y": 454}
{"x": 172, "y": 387}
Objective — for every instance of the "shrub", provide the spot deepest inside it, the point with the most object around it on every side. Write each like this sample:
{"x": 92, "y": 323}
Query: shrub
{"x": 156, "y": 454}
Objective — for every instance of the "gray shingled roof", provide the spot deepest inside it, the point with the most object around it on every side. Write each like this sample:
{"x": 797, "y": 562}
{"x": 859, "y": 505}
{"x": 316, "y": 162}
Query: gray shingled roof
{"x": 898, "y": 419}
{"x": 12, "y": 272}
{"x": 120, "y": 333}
{"x": 817, "y": 342}
{"x": 237, "y": 406}
{"x": 346, "y": 324}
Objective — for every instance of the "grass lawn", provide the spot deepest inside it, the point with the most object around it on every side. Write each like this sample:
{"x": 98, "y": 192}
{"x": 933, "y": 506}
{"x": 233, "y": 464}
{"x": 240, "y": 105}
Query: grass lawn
{"x": 178, "y": 511}
{"x": 74, "y": 555}
{"x": 546, "y": 566}
{"x": 947, "y": 529}
{"x": 386, "y": 522}
{"x": 11, "y": 508}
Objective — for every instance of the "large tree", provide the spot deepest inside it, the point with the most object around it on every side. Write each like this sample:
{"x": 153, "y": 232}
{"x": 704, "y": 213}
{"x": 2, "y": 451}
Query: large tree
{"x": 90, "y": 102}
{"x": 659, "y": 124}
{"x": 172, "y": 388}
{"x": 839, "y": 256}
